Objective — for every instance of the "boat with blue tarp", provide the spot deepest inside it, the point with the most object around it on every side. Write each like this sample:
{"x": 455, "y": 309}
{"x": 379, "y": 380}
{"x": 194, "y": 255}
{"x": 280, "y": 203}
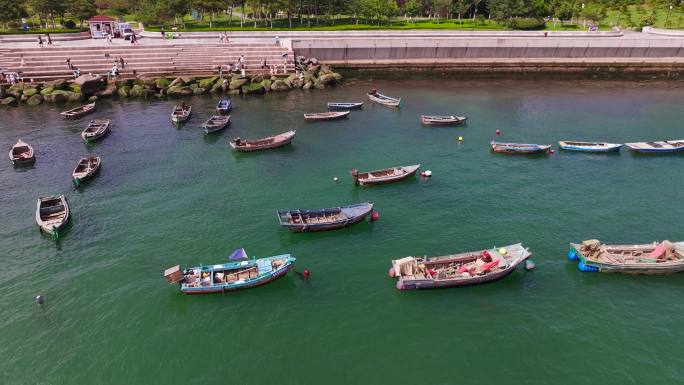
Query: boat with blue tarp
{"x": 239, "y": 272}
{"x": 224, "y": 106}
{"x": 650, "y": 259}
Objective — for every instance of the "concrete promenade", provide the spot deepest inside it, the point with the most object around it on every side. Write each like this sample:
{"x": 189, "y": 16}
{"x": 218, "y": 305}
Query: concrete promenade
{"x": 482, "y": 51}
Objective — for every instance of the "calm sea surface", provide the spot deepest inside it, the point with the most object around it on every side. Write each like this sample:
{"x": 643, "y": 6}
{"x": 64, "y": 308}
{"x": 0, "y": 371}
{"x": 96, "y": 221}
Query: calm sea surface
{"x": 168, "y": 195}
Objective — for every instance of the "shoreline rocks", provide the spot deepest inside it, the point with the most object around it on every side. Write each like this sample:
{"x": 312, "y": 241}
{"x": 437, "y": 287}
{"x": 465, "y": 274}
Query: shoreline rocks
{"x": 311, "y": 74}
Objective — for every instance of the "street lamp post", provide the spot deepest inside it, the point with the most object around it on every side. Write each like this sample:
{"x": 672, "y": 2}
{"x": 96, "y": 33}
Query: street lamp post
{"x": 668, "y": 15}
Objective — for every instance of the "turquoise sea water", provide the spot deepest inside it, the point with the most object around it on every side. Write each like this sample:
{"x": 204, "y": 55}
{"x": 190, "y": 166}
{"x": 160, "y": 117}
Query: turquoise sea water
{"x": 168, "y": 195}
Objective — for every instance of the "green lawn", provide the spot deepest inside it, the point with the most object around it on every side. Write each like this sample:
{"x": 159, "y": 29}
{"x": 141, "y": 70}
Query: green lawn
{"x": 635, "y": 14}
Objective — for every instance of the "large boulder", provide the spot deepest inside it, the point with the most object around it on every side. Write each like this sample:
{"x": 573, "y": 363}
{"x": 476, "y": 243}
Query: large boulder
{"x": 257, "y": 79}
{"x": 35, "y": 100}
{"x": 267, "y": 84}
{"x": 8, "y": 101}
{"x": 237, "y": 83}
{"x": 147, "y": 81}
{"x": 89, "y": 84}
{"x": 178, "y": 91}
{"x": 253, "y": 88}
{"x": 187, "y": 79}
{"x": 313, "y": 69}
{"x": 208, "y": 82}
{"x": 58, "y": 96}
{"x": 162, "y": 83}
{"x": 297, "y": 83}
{"x": 337, "y": 76}
{"x": 199, "y": 91}
{"x": 28, "y": 92}
{"x": 16, "y": 90}
{"x": 279, "y": 85}
{"x": 138, "y": 91}
{"x": 59, "y": 84}
{"x": 176, "y": 82}
{"x": 327, "y": 80}
{"x": 46, "y": 91}
{"x": 75, "y": 97}
{"x": 217, "y": 87}
{"x": 109, "y": 91}
{"x": 307, "y": 85}
{"x": 234, "y": 92}
{"x": 92, "y": 99}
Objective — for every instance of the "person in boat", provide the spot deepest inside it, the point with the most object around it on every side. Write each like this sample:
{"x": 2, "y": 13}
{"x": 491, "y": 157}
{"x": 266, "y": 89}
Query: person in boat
{"x": 238, "y": 141}
{"x": 373, "y": 91}
{"x": 184, "y": 106}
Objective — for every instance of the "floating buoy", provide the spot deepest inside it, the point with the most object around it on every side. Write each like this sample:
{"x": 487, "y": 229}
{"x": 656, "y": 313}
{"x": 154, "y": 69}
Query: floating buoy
{"x": 375, "y": 216}
{"x": 306, "y": 273}
{"x": 572, "y": 255}
{"x": 498, "y": 132}
{"x": 587, "y": 269}
{"x": 399, "y": 285}
{"x": 426, "y": 173}
{"x": 552, "y": 151}
{"x": 460, "y": 138}
{"x": 503, "y": 251}
{"x": 336, "y": 179}
{"x": 40, "y": 299}
{"x": 391, "y": 272}
{"x": 529, "y": 265}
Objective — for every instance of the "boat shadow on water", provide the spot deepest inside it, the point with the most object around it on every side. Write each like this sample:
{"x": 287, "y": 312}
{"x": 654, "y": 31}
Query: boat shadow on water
{"x": 283, "y": 150}
{"x": 288, "y": 238}
{"x": 214, "y": 137}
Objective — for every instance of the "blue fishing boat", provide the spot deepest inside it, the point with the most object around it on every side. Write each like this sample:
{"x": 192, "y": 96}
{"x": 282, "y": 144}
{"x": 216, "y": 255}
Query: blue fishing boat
{"x": 224, "y": 106}
{"x": 239, "y": 273}
{"x": 519, "y": 148}
{"x": 589, "y": 146}
{"x": 657, "y": 147}
{"x": 299, "y": 221}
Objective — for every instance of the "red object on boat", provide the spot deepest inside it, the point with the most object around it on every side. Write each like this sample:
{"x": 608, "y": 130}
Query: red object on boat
{"x": 490, "y": 265}
{"x": 462, "y": 269}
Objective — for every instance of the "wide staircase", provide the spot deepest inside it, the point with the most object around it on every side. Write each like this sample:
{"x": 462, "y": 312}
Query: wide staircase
{"x": 153, "y": 60}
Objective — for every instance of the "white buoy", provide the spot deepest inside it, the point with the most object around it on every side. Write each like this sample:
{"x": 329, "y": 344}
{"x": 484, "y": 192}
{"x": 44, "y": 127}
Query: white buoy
{"x": 336, "y": 179}
{"x": 40, "y": 299}
{"x": 427, "y": 173}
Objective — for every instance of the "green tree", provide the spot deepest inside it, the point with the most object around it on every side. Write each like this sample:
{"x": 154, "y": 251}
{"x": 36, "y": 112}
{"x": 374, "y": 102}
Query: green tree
{"x": 11, "y": 10}
{"x": 388, "y": 8}
{"x": 82, "y": 9}
{"x": 412, "y": 8}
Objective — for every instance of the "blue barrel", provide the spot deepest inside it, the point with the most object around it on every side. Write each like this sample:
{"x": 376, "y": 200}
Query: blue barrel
{"x": 572, "y": 255}
{"x": 587, "y": 269}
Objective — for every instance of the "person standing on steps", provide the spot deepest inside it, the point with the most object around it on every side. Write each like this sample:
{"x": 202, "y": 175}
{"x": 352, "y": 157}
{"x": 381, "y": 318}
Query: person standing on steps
{"x": 40, "y": 41}
{"x": 121, "y": 61}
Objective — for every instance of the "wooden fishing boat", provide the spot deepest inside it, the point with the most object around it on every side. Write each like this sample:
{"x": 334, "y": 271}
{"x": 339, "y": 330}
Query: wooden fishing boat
{"x": 519, "y": 148}
{"x": 385, "y": 100}
{"x": 388, "y": 175}
{"x": 651, "y": 259}
{"x": 224, "y": 106}
{"x": 263, "y": 144}
{"x": 215, "y": 123}
{"x": 299, "y": 221}
{"x": 229, "y": 276}
{"x": 322, "y": 116}
{"x": 431, "y": 120}
{"x": 345, "y": 105}
{"x": 52, "y": 214}
{"x": 181, "y": 113}
{"x": 21, "y": 154}
{"x": 589, "y": 146}
{"x": 78, "y": 111}
{"x": 657, "y": 147}
{"x": 471, "y": 268}
{"x": 96, "y": 129}
{"x": 86, "y": 168}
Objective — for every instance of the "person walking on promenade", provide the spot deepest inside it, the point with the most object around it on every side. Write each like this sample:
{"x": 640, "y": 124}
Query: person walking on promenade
{"x": 40, "y": 41}
{"x": 121, "y": 61}
{"x": 163, "y": 35}
{"x": 49, "y": 39}
{"x": 225, "y": 37}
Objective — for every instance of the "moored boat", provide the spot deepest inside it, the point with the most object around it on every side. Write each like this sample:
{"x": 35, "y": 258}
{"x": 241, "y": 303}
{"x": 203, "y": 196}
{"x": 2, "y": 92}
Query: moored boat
{"x": 22, "y": 154}
{"x": 379, "y": 98}
{"x": 433, "y": 120}
{"x": 322, "y": 116}
{"x": 78, "y": 111}
{"x": 52, "y": 214}
{"x": 96, "y": 129}
{"x": 589, "y": 146}
{"x": 299, "y": 221}
{"x": 345, "y": 105}
{"x": 657, "y": 147}
{"x": 263, "y": 144}
{"x": 519, "y": 148}
{"x": 230, "y": 276}
{"x": 650, "y": 259}
{"x": 224, "y": 106}
{"x": 470, "y": 268}
{"x": 86, "y": 168}
{"x": 388, "y": 175}
{"x": 215, "y": 123}
{"x": 181, "y": 113}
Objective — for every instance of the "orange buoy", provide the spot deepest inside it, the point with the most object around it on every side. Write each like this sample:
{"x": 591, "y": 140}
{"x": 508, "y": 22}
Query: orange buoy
{"x": 375, "y": 215}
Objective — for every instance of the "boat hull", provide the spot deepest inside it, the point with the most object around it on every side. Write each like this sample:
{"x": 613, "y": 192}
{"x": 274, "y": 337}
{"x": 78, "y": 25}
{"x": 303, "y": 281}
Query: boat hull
{"x": 230, "y": 287}
{"x": 310, "y": 228}
{"x": 589, "y": 148}
{"x": 442, "y": 122}
{"x": 519, "y": 149}
{"x": 345, "y": 106}
{"x": 409, "y": 172}
{"x": 445, "y": 284}
{"x": 300, "y": 221}
{"x": 630, "y": 268}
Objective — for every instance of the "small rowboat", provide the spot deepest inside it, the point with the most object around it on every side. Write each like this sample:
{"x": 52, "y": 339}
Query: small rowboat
{"x": 233, "y": 275}
{"x": 519, "y": 148}
{"x": 345, "y": 106}
{"x": 181, "y": 113}
{"x": 657, "y": 147}
{"x": 650, "y": 259}
{"x": 96, "y": 129}
{"x": 589, "y": 146}
{"x": 377, "y": 97}
{"x": 299, "y": 221}
{"x": 322, "y": 116}
{"x": 442, "y": 120}
{"x": 388, "y": 175}
{"x": 215, "y": 123}
{"x": 224, "y": 106}
{"x": 22, "y": 154}
{"x": 78, "y": 111}
{"x": 463, "y": 269}
{"x": 263, "y": 144}
{"x": 52, "y": 214}
{"x": 85, "y": 169}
